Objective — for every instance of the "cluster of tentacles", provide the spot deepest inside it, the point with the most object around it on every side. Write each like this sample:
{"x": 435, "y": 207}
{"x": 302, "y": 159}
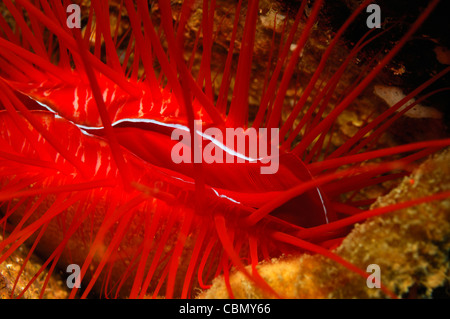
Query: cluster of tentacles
{"x": 86, "y": 172}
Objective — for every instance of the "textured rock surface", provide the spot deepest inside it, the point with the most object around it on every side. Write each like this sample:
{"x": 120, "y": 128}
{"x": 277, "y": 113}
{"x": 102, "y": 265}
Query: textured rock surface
{"x": 11, "y": 268}
{"x": 411, "y": 246}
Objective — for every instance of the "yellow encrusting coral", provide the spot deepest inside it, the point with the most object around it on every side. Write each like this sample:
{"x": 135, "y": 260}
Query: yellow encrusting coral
{"x": 411, "y": 247}
{"x": 10, "y": 269}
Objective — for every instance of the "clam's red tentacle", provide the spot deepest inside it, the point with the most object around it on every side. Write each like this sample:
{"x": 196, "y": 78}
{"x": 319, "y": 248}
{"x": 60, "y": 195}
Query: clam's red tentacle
{"x": 355, "y": 92}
